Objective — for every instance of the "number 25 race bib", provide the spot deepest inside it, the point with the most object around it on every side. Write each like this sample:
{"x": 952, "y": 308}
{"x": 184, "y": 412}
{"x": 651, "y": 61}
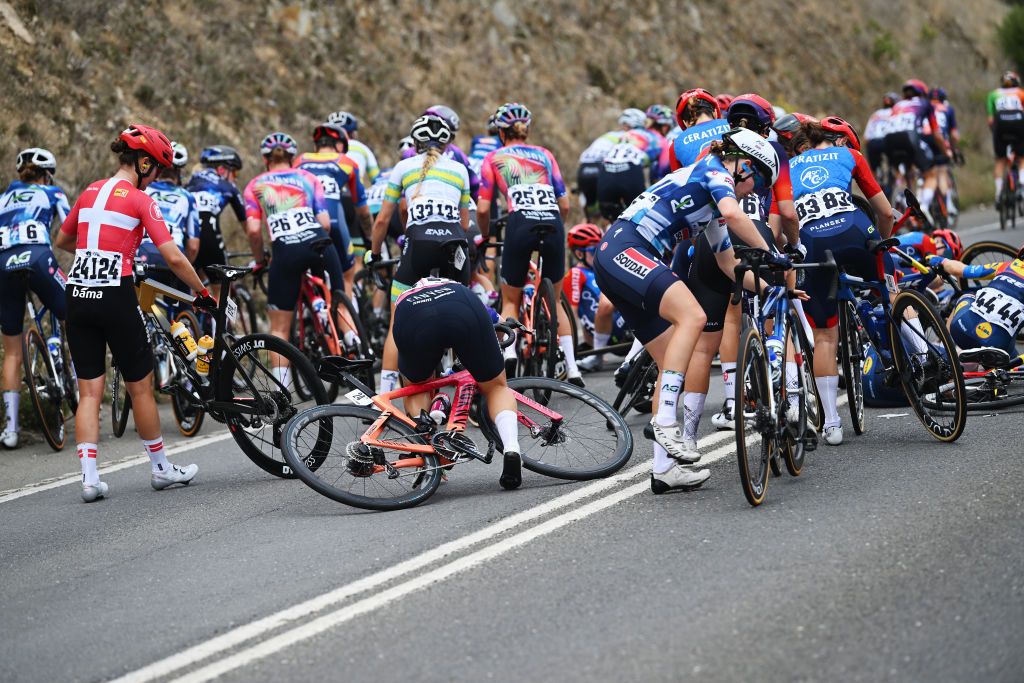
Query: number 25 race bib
{"x": 95, "y": 268}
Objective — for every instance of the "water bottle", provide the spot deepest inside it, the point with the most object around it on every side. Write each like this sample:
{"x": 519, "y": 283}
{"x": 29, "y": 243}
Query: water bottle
{"x": 320, "y": 309}
{"x": 439, "y": 408}
{"x": 183, "y": 338}
{"x": 53, "y": 344}
{"x": 203, "y": 359}
{"x": 776, "y": 349}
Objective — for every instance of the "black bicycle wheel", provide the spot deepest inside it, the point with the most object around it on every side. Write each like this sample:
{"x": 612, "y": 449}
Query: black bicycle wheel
{"x": 589, "y": 441}
{"x": 544, "y": 358}
{"x": 246, "y": 320}
{"x": 852, "y": 340}
{"x": 637, "y": 390}
{"x": 259, "y": 434}
{"x": 993, "y": 392}
{"x": 45, "y": 387}
{"x": 120, "y": 403}
{"x": 350, "y": 472}
{"x": 375, "y": 326}
{"x": 987, "y": 251}
{"x": 794, "y": 449}
{"x": 754, "y": 421}
{"x": 926, "y": 361}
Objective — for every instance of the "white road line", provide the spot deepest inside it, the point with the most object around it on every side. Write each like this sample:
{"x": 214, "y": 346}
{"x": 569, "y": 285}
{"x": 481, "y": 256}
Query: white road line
{"x": 113, "y": 466}
{"x": 977, "y": 228}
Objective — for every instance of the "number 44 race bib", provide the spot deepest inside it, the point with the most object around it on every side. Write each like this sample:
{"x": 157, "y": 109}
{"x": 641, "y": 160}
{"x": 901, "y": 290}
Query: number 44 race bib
{"x": 95, "y": 268}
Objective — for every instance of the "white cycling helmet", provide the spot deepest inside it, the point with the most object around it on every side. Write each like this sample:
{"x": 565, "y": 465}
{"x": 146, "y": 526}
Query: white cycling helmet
{"x": 747, "y": 143}
{"x": 344, "y": 119}
{"x": 180, "y": 155}
{"x": 430, "y": 129}
{"x": 38, "y": 157}
{"x": 406, "y": 143}
{"x": 634, "y": 118}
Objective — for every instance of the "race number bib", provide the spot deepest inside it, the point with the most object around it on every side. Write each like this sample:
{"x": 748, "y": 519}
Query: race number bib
{"x": 535, "y": 197}
{"x": 822, "y": 204}
{"x": 624, "y": 154}
{"x": 639, "y": 206}
{"x": 95, "y": 268}
{"x": 429, "y": 209}
{"x": 207, "y": 202}
{"x": 999, "y": 308}
{"x": 751, "y": 205}
{"x": 29, "y": 232}
{"x": 1008, "y": 103}
{"x": 331, "y": 188}
{"x": 290, "y": 222}
{"x": 903, "y": 122}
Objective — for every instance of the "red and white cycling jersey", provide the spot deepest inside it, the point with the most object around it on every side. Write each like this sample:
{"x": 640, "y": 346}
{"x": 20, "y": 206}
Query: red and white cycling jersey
{"x": 108, "y": 221}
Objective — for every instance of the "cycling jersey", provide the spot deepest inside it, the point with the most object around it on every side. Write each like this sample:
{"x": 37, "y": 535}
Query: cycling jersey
{"x": 527, "y": 175}
{"x": 580, "y": 286}
{"x": 339, "y": 175}
{"x": 877, "y": 126}
{"x": 822, "y": 180}
{"x": 288, "y": 200}
{"x": 914, "y": 114}
{"x": 375, "y": 193}
{"x": 688, "y": 146}
{"x": 1006, "y": 103}
{"x": 454, "y": 153}
{"x": 599, "y": 148}
{"x": 635, "y": 147}
{"x": 367, "y": 162}
{"x": 26, "y": 212}
{"x": 917, "y": 244}
{"x": 910, "y": 124}
{"x": 213, "y": 194}
{"x": 1006, "y": 109}
{"x": 479, "y": 148}
{"x": 945, "y": 115}
{"x": 178, "y": 207}
{"x": 994, "y": 315}
{"x": 438, "y": 196}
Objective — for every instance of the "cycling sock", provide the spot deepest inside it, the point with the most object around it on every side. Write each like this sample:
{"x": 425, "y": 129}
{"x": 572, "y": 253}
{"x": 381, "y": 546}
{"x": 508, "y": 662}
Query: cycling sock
{"x": 351, "y": 338}
{"x": 950, "y": 206}
{"x": 283, "y": 374}
{"x": 87, "y": 458}
{"x": 662, "y": 461}
{"x": 388, "y": 380}
{"x": 11, "y": 399}
{"x": 913, "y": 335}
{"x": 927, "y": 195}
{"x": 601, "y": 339}
{"x": 671, "y": 383}
{"x": 507, "y": 424}
{"x": 729, "y": 380}
{"x": 634, "y": 350}
{"x": 999, "y": 188}
{"x": 157, "y": 457}
{"x": 378, "y": 312}
{"x": 510, "y": 352}
{"x": 693, "y": 408}
{"x": 828, "y": 390}
{"x": 569, "y": 351}
{"x": 792, "y": 381}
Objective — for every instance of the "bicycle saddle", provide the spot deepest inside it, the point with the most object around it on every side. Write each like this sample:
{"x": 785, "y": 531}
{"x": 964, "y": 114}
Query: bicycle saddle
{"x": 875, "y": 246}
{"x": 219, "y": 271}
{"x": 542, "y": 229}
{"x": 331, "y": 368}
{"x": 986, "y": 356}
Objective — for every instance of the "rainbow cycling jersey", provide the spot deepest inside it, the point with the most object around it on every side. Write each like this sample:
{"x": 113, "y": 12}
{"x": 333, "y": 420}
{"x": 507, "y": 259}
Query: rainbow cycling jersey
{"x": 436, "y": 197}
{"x": 26, "y": 212}
{"x": 455, "y": 153}
{"x": 479, "y": 148}
{"x": 915, "y": 114}
{"x": 365, "y": 159}
{"x": 691, "y": 143}
{"x": 822, "y": 179}
{"x": 527, "y": 175}
{"x": 289, "y": 201}
{"x": 178, "y": 207}
{"x": 683, "y": 204}
{"x": 336, "y": 173}
{"x": 635, "y": 147}
{"x": 580, "y": 286}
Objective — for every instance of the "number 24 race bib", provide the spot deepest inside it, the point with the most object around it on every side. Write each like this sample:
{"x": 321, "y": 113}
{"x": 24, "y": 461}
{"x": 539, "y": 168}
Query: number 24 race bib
{"x": 95, "y": 268}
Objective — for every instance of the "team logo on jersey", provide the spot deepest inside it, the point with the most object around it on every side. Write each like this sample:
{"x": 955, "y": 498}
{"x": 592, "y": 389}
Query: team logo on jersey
{"x": 813, "y": 176}
{"x": 120, "y": 192}
{"x": 682, "y": 204}
{"x": 983, "y": 330}
{"x": 154, "y": 212}
{"x": 868, "y": 362}
{"x": 19, "y": 259}
{"x": 635, "y": 263}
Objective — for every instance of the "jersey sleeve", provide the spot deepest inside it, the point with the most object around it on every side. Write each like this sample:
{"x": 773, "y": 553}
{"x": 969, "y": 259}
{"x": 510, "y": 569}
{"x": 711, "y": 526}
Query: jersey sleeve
{"x": 152, "y": 219}
{"x": 464, "y": 197}
{"x": 253, "y": 208}
{"x": 356, "y": 188}
{"x": 951, "y": 118}
{"x": 573, "y": 286}
{"x": 70, "y": 224}
{"x": 319, "y": 200}
{"x": 487, "y": 178}
{"x": 393, "y": 192}
{"x": 863, "y": 175}
{"x": 990, "y": 104}
{"x": 719, "y": 183}
{"x": 556, "y": 176}
{"x": 673, "y": 161}
{"x": 237, "y": 205}
{"x": 192, "y": 223}
{"x": 372, "y": 169}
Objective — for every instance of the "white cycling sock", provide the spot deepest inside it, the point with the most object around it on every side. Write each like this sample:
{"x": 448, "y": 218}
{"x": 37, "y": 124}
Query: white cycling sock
{"x": 157, "y": 457}
{"x": 351, "y": 338}
{"x": 662, "y": 461}
{"x": 792, "y": 381}
{"x": 507, "y": 424}
{"x": 999, "y": 188}
{"x": 11, "y": 399}
{"x": 729, "y": 382}
{"x": 927, "y": 195}
{"x": 828, "y": 390}
{"x": 950, "y": 206}
{"x": 1020, "y": 176}
{"x": 283, "y": 374}
{"x": 634, "y": 350}
{"x": 510, "y": 352}
{"x": 378, "y": 312}
{"x": 569, "y": 351}
{"x": 913, "y": 335}
{"x": 671, "y": 384}
{"x": 87, "y": 458}
{"x": 388, "y": 380}
{"x": 693, "y": 408}
{"x": 601, "y": 339}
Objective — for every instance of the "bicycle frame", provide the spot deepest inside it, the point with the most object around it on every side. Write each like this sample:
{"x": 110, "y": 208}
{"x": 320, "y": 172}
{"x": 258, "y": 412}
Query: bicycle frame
{"x": 311, "y": 287}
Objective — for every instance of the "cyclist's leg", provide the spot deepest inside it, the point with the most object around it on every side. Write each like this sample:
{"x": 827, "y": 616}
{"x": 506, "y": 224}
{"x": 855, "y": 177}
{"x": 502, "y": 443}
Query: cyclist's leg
{"x": 284, "y": 280}
{"x": 12, "y": 314}
{"x": 554, "y": 270}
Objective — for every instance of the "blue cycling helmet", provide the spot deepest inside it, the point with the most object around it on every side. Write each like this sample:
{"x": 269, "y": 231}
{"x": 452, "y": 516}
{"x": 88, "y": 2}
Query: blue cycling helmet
{"x": 344, "y": 119}
{"x": 220, "y": 155}
{"x": 939, "y": 94}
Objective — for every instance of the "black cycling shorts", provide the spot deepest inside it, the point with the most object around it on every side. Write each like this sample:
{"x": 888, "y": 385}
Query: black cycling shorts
{"x": 428, "y": 247}
{"x": 522, "y": 238}
{"x": 450, "y": 316}
{"x": 615, "y": 190}
{"x": 907, "y": 146}
{"x": 875, "y": 155}
{"x": 289, "y": 260}
{"x": 1008, "y": 132}
{"x": 44, "y": 278}
{"x": 586, "y": 181}
{"x": 211, "y": 243}
{"x": 99, "y": 317}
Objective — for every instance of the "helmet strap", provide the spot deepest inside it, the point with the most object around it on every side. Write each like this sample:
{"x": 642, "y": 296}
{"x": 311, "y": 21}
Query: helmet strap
{"x": 150, "y": 170}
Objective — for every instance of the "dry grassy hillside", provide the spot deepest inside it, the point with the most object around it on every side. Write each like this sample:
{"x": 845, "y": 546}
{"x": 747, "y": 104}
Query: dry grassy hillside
{"x": 77, "y": 70}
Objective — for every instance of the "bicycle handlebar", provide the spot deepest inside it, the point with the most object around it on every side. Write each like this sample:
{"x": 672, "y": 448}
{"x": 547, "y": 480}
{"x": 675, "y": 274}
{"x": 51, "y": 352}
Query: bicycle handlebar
{"x": 753, "y": 259}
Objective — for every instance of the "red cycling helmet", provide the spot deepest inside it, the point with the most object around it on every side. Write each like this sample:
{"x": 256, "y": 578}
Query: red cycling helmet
{"x": 837, "y": 126}
{"x": 952, "y": 241}
{"x": 584, "y": 235}
{"x": 332, "y": 131}
{"x": 917, "y": 86}
{"x": 749, "y": 104}
{"x": 724, "y": 100}
{"x": 687, "y": 97}
{"x": 149, "y": 140}
{"x": 787, "y": 126}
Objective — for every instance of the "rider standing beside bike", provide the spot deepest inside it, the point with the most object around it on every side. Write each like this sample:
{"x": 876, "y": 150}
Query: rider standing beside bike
{"x": 178, "y": 207}
{"x": 27, "y": 208}
{"x": 214, "y": 189}
{"x": 104, "y": 230}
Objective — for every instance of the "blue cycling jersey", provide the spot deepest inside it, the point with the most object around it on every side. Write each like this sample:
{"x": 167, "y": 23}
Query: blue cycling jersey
{"x": 689, "y": 144}
{"x": 478, "y": 149}
{"x": 178, "y": 207}
{"x": 580, "y": 286}
{"x": 27, "y": 211}
{"x": 213, "y": 194}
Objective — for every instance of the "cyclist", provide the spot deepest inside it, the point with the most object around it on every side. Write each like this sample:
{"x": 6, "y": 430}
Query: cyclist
{"x": 1006, "y": 120}
{"x": 621, "y": 176}
{"x": 528, "y": 177}
{"x": 214, "y": 188}
{"x": 822, "y": 178}
{"x": 178, "y": 208}
{"x": 453, "y": 151}
{"x": 103, "y": 230}
{"x": 602, "y": 324}
{"x": 368, "y": 173}
{"x": 661, "y": 119}
{"x": 482, "y": 144}
{"x": 875, "y": 131}
{"x": 698, "y": 114}
{"x": 657, "y": 306}
{"x": 435, "y": 190}
{"x": 589, "y": 168}
{"x": 438, "y": 314}
{"x": 911, "y": 123}
{"x": 27, "y": 208}
{"x": 290, "y": 201}
{"x": 945, "y": 116}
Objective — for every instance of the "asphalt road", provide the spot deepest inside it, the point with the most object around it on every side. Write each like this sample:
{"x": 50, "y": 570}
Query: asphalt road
{"x": 893, "y": 557}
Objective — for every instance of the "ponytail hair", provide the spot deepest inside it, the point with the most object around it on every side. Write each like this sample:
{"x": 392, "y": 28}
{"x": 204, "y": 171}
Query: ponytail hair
{"x": 517, "y": 131}
{"x": 430, "y": 158}
{"x": 278, "y": 155}
{"x": 813, "y": 132}
{"x": 33, "y": 174}
{"x": 126, "y": 156}
{"x": 694, "y": 107}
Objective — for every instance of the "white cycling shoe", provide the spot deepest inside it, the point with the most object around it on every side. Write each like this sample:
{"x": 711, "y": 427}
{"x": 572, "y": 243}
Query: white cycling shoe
{"x": 9, "y": 439}
{"x": 670, "y": 437}
{"x": 834, "y": 435}
{"x": 678, "y": 478}
{"x": 175, "y": 475}
{"x": 94, "y": 492}
{"x": 724, "y": 419}
{"x": 592, "y": 363}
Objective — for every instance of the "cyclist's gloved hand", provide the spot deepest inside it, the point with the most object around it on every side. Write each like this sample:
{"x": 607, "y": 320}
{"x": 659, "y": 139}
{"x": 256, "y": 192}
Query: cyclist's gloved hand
{"x": 495, "y": 318}
{"x": 779, "y": 260}
{"x": 370, "y": 257}
{"x": 478, "y": 240}
{"x": 204, "y": 300}
{"x": 978, "y": 272}
{"x": 798, "y": 251}
{"x": 935, "y": 261}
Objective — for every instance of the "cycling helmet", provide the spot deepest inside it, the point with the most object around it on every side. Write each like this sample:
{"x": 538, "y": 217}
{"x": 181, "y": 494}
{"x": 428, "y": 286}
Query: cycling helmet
{"x": 510, "y": 113}
{"x": 149, "y": 140}
{"x": 279, "y": 141}
{"x": 347, "y": 121}
{"x": 751, "y": 105}
{"x": 748, "y": 144}
{"x": 952, "y": 241}
{"x": 180, "y": 154}
{"x": 786, "y": 126}
{"x": 697, "y": 97}
{"x": 492, "y": 127}
{"x": 634, "y": 118}
{"x": 331, "y": 131}
{"x": 916, "y": 86}
{"x": 584, "y": 235}
{"x": 724, "y": 100}
{"x": 406, "y": 143}
{"x": 939, "y": 94}
{"x": 430, "y": 130}
{"x": 837, "y": 127}
{"x": 221, "y": 155}
{"x": 1011, "y": 79}
{"x": 38, "y": 157}
{"x": 446, "y": 113}
{"x": 890, "y": 98}
{"x": 661, "y": 114}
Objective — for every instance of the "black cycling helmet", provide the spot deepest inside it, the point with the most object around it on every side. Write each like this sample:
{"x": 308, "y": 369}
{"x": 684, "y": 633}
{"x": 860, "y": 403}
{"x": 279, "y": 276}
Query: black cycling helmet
{"x": 221, "y": 155}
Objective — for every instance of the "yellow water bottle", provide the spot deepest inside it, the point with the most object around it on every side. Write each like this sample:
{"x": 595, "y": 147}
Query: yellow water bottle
{"x": 186, "y": 344}
{"x": 203, "y": 359}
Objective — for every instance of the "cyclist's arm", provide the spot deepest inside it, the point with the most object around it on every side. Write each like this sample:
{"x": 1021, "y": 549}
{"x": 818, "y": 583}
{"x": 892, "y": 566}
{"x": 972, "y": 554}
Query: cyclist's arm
{"x": 380, "y": 226}
{"x": 990, "y": 106}
{"x": 67, "y": 235}
{"x": 180, "y": 265}
{"x": 483, "y": 202}
{"x": 865, "y": 180}
{"x": 979, "y": 271}
{"x": 254, "y": 231}
{"x": 365, "y": 218}
{"x": 739, "y": 223}
{"x": 464, "y": 218}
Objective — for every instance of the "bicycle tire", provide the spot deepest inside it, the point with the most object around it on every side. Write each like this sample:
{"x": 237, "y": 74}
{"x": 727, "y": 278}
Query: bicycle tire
{"x": 986, "y": 251}
{"x": 364, "y": 288}
{"x": 947, "y": 367}
{"x": 545, "y": 325}
{"x": 851, "y": 353}
{"x": 120, "y": 404}
{"x": 247, "y": 320}
{"x": 752, "y": 397}
{"x": 312, "y": 344}
{"x": 598, "y": 429}
{"x": 637, "y": 389}
{"x": 44, "y": 387}
{"x": 268, "y": 457}
{"x": 794, "y": 450}
{"x": 978, "y": 394}
{"x": 342, "y": 425}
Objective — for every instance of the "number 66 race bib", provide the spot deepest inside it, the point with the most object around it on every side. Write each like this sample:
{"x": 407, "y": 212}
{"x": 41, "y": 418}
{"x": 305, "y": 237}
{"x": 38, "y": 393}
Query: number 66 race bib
{"x": 95, "y": 268}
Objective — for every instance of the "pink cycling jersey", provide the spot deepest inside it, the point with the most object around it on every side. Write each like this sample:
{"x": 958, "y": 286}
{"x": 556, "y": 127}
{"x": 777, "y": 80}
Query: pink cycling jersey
{"x": 527, "y": 175}
{"x": 288, "y": 200}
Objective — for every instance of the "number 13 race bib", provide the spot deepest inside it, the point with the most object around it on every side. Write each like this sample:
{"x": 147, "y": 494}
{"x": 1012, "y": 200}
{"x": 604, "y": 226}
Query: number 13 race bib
{"x": 95, "y": 268}
{"x": 427, "y": 209}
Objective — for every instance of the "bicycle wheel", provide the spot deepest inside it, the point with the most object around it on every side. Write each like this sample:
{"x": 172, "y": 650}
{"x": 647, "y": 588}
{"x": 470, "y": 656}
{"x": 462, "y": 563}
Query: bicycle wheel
{"x": 754, "y": 420}
{"x": 259, "y": 434}
{"x": 794, "y": 450}
{"x": 926, "y": 361}
{"x": 246, "y": 322}
{"x": 589, "y": 441}
{"x": 637, "y": 390}
{"x": 352, "y": 473}
{"x": 544, "y": 358}
{"x": 994, "y": 392}
{"x": 44, "y": 385}
{"x": 852, "y": 340}
{"x": 987, "y": 251}
{"x": 190, "y": 321}
{"x": 120, "y": 404}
